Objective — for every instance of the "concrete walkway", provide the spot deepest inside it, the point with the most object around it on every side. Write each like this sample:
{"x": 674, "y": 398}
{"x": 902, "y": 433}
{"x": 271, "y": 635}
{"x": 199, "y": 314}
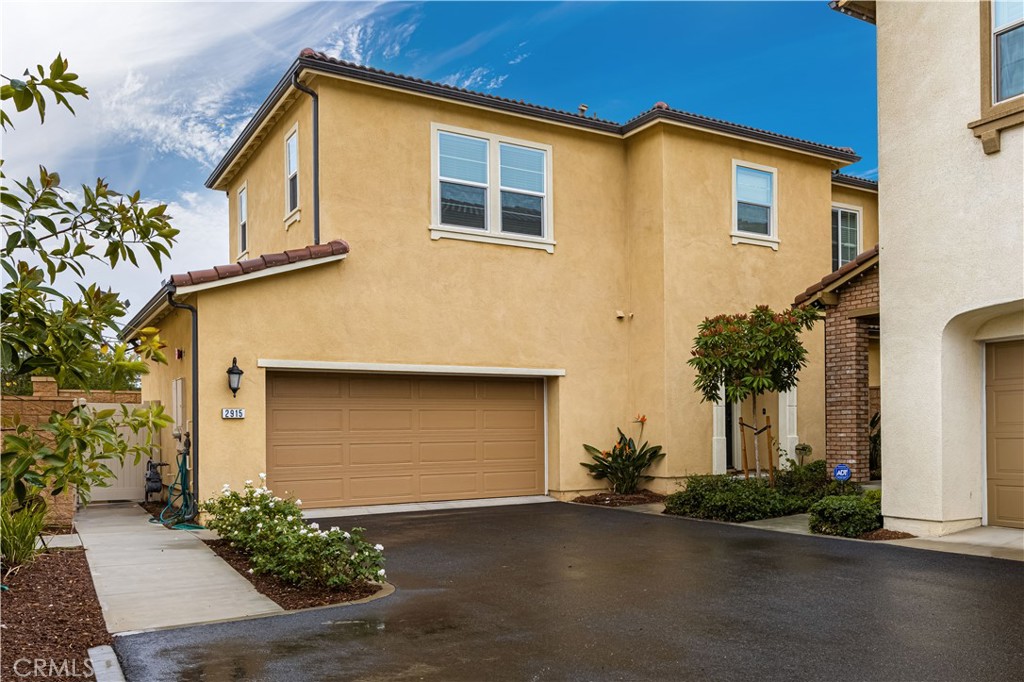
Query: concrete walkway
{"x": 150, "y": 577}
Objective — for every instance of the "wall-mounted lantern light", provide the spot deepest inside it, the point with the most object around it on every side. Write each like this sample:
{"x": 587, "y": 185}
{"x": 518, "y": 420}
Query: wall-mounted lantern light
{"x": 234, "y": 377}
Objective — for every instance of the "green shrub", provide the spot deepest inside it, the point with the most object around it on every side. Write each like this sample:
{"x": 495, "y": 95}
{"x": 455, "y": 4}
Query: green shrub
{"x": 20, "y": 525}
{"x": 625, "y": 464}
{"x": 723, "y": 498}
{"x": 271, "y": 531}
{"x": 849, "y": 515}
{"x": 810, "y": 482}
{"x": 875, "y": 497}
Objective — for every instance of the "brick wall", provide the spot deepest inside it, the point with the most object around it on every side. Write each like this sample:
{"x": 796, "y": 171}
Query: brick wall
{"x": 848, "y": 400}
{"x": 36, "y": 409}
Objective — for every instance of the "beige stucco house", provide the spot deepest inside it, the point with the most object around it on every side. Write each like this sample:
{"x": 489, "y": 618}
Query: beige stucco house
{"x": 438, "y": 294}
{"x": 951, "y": 261}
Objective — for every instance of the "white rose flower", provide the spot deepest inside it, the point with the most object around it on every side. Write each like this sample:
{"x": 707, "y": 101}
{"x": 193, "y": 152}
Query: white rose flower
{"x": 379, "y": 547}
{"x": 334, "y": 529}
{"x": 315, "y": 526}
{"x": 381, "y": 572}
{"x": 298, "y": 501}
{"x": 249, "y": 482}
{"x": 250, "y": 570}
{"x": 347, "y": 535}
{"x": 263, "y": 477}
{"x": 259, "y": 525}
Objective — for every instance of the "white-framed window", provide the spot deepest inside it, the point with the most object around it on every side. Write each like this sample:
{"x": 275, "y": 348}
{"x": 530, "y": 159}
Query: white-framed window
{"x": 291, "y": 174}
{"x": 846, "y": 234}
{"x": 490, "y": 188}
{"x": 755, "y": 204}
{"x": 243, "y": 220}
{"x": 1007, "y": 49}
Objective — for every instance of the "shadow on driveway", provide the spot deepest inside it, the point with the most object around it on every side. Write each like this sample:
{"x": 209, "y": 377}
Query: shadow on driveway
{"x": 568, "y": 592}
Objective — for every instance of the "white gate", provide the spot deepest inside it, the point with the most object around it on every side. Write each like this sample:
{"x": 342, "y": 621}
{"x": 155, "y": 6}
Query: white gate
{"x": 129, "y": 482}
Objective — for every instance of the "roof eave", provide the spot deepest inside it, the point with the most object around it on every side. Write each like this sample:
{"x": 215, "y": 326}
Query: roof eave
{"x": 858, "y": 9}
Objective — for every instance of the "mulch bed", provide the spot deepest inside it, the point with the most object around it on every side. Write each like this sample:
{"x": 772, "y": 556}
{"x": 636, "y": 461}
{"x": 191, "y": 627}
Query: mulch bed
{"x": 288, "y": 596}
{"x": 51, "y": 613}
{"x": 616, "y": 500}
{"x": 883, "y": 534}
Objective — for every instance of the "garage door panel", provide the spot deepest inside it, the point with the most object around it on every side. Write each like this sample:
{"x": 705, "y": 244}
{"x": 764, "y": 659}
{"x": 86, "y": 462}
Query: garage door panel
{"x": 449, "y": 484}
{"x": 306, "y": 420}
{"x": 449, "y": 451}
{"x": 447, "y": 389}
{"x": 319, "y": 492}
{"x": 381, "y": 420}
{"x": 1004, "y": 437}
{"x": 510, "y": 482}
{"x": 306, "y": 386}
{"x": 387, "y": 439}
{"x": 306, "y": 455}
{"x": 505, "y": 450}
{"x": 508, "y": 390}
{"x": 369, "y": 388}
{"x": 462, "y": 420}
{"x": 376, "y": 488}
{"x": 375, "y": 454}
{"x": 511, "y": 420}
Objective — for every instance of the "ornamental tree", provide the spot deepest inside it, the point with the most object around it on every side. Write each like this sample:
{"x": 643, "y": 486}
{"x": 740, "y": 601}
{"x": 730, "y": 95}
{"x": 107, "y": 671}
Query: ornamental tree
{"x": 744, "y": 356}
{"x": 49, "y": 236}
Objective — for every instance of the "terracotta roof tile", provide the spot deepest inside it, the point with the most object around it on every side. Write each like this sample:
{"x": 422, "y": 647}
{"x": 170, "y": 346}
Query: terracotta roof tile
{"x": 268, "y": 260}
{"x": 854, "y": 180}
{"x": 833, "y": 277}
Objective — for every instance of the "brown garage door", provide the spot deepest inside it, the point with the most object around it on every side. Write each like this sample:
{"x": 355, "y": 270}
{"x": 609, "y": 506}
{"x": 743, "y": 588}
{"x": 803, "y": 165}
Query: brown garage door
{"x": 1004, "y": 409}
{"x": 352, "y": 439}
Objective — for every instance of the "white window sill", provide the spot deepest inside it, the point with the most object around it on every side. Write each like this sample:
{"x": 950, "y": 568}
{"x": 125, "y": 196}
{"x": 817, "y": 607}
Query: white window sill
{"x": 242, "y": 256}
{"x": 292, "y": 217}
{"x": 484, "y": 237}
{"x": 755, "y": 239}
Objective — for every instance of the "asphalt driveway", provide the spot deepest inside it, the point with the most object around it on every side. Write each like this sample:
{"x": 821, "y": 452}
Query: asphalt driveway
{"x": 566, "y": 592}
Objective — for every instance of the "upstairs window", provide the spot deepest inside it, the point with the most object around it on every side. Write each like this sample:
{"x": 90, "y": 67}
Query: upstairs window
{"x": 493, "y": 189}
{"x": 291, "y": 189}
{"x": 845, "y": 235}
{"x": 1007, "y": 49}
{"x": 243, "y": 220}
{"x": 754, "y": 199}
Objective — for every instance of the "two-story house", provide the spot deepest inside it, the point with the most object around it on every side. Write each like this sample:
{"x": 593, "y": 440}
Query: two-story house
{"x": 950, "y": 279}
{"x": 438, "y": 294}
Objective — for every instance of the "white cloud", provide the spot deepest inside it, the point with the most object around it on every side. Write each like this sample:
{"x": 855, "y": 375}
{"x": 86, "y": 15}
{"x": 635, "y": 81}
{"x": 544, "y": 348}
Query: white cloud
{"x": 478, "y": 78}
{"x": 361, "y": 40}
{"x": 518, "y": 58}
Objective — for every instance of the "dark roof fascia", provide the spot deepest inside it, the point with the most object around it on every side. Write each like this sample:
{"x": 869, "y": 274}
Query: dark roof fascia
{"x": 854, "y": 181}
{"x": 737, "y": 130}
{"x": 141, "y": 317}
{"x": 832, "y": 281}
{"x": 269, "y": 104}
{"x": 510, "y": 106}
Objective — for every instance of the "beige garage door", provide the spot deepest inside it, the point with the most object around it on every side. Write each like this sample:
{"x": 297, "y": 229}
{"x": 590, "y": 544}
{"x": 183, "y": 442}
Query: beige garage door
{"x": 349, "y": 439}
{"x": 1004, "y": 409}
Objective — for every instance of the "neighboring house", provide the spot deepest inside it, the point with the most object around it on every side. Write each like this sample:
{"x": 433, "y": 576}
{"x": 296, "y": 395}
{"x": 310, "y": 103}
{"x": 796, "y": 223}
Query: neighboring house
{"x": 522, "y": 280}
{"x": 951, "y": 261}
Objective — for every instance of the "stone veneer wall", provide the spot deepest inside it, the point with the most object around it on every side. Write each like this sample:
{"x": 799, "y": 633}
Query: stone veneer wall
{"x": 847, "y": 395}
{"x": 36, "y": 408}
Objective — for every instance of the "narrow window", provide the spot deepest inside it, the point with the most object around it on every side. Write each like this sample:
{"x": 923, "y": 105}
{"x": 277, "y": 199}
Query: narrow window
{"x": 522, "y": 190}
{"x": 292, "y": 172}
{"x": 754, "y": 201}
{"x": 1008, "y": 48}
{"x": 463, "y": 176}
{"x": 243, "y": 221}
{"x": 845, "y": 236}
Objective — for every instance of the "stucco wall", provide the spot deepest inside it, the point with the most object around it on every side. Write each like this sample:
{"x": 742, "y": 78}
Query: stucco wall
{"x": 951, "y": 243}
{"x": 641, "y": 224}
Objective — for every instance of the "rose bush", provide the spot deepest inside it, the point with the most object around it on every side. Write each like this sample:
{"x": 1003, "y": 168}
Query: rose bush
{"x": 272, "y": 532}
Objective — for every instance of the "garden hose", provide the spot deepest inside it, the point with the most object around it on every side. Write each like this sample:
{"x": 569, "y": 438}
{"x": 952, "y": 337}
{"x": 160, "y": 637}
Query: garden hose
{"x": 178, "y": 516}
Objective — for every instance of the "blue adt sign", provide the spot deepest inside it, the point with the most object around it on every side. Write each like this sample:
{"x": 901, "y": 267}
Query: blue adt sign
{"x": 841, "y": 472}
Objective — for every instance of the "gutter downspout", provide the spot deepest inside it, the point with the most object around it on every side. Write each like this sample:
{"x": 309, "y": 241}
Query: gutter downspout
{"x": 195, "y": 392}
{"x": 316, "y": 154}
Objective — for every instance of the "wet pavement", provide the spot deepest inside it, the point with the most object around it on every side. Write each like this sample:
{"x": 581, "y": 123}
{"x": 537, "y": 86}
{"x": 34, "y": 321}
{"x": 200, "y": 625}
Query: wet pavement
{"x": 567, "y": 592}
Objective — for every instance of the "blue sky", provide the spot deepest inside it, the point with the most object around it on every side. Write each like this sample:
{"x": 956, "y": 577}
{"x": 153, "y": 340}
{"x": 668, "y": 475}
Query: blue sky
{"x": 172, "y": 83}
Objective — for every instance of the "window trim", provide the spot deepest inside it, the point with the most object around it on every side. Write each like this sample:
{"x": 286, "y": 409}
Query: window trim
{"x": 292, "y": 215}
{"x": 491, "y": 234}
{"x": 738, "y": 236}
{"x": 995, "y": 116}
{"x": 859, "y": 210}
{"x": 242, "y": 226}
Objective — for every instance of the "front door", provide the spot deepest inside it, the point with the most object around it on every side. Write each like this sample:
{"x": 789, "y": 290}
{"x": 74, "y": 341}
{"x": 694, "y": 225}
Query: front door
{"x": 1004, "y": 432}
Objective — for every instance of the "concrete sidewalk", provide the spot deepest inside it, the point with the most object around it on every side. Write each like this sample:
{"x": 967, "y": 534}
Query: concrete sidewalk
{"x": 148, "y": 576}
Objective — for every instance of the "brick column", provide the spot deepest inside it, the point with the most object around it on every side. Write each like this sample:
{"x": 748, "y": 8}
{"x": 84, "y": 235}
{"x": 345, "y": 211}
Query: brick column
{"x": 847, "y": 396}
